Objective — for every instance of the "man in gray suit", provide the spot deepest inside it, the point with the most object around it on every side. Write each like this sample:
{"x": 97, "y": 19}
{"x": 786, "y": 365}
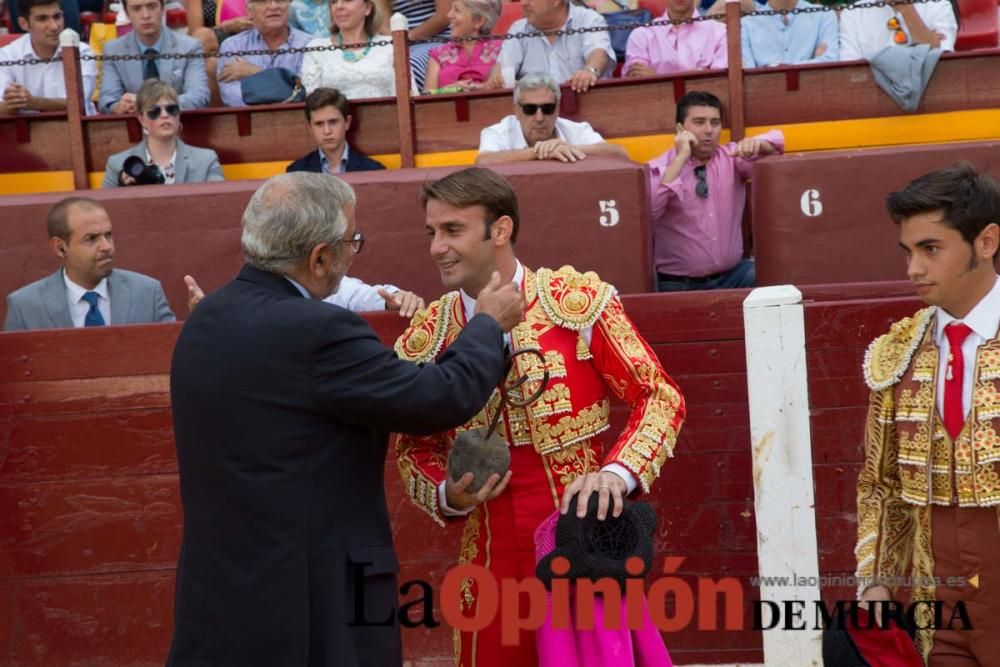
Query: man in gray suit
{"x": 121, "y": 79}
{"x": 86, "y": 291}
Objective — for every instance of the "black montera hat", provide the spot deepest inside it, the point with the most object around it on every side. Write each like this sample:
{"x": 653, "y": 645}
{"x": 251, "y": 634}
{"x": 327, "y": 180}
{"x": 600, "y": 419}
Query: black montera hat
{"x": 598, "y": 549}
{"x": 854, "y": 644}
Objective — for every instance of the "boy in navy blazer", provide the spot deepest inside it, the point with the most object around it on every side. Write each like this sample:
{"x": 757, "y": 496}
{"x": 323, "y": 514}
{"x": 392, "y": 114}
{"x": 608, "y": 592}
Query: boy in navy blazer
{"x": 328, "y": 114}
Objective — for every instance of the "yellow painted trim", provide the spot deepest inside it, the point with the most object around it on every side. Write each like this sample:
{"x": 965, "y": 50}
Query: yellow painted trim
{"x": 937, "y": 128}
{"x": 29, "y": 182}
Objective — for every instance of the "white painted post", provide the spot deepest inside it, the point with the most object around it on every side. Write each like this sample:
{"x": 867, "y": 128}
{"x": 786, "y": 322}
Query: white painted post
{"x": 782, "y": 468}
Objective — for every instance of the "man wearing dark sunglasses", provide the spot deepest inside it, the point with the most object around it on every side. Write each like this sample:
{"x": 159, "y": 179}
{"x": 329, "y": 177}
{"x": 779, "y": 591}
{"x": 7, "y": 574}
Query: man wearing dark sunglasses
{"x": 698, "y": 192}
{"x": 536, "y": 132}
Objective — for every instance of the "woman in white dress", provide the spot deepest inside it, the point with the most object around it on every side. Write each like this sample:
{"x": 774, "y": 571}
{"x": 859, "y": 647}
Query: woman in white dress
{"x": 362, "y": 71}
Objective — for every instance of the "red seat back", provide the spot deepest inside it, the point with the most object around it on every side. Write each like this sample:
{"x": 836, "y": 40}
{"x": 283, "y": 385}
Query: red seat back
{"x": 511, "y": 12}
{"x": 7, "y": 39}
{"x": 979, "y": 27}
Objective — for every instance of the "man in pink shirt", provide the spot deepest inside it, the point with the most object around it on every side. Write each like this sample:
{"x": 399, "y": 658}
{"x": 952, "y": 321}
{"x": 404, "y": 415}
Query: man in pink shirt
{"x": 698, "y": 191}
{"x": 665, "y": 49}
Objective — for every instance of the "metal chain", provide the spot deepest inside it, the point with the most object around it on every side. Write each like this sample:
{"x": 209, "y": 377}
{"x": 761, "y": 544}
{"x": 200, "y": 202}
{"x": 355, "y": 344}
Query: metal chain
{"x": 475, "y": 38}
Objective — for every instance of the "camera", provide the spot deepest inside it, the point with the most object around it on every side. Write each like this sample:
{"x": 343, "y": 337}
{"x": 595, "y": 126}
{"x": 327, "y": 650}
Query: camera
{"x": 144, "y": 174}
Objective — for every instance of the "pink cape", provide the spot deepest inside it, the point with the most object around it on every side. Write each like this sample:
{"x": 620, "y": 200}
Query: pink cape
{"x": 599, "y": 647}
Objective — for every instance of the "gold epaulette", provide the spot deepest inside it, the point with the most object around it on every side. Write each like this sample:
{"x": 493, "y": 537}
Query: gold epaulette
{"x": 572, "y": 299}
{"x": 889, "y": 355}
{"x": 423, "y": 339}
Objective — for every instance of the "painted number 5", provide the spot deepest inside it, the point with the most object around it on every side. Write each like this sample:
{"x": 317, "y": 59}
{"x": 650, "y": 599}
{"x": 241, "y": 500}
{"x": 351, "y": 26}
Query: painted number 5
{"x": 811, "y": 204}
{"x": 609, "y": 214}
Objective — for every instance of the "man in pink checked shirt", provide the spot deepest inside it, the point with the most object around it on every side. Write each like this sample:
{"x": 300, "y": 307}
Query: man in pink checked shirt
{"x": 665, "y": 49}
{"x": 698, "y": 191}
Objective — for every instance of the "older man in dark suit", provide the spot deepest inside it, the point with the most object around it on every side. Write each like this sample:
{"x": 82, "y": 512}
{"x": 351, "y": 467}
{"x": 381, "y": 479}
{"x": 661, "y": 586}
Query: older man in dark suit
{"x": 87, "y": 290}
{"x": 282, "y": 406}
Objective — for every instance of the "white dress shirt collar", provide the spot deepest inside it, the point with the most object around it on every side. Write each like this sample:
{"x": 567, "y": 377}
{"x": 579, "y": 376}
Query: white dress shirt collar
{"x": 469, "y": 303}
{"x": 983, "y": 319}
{"x": 78, "y": 307}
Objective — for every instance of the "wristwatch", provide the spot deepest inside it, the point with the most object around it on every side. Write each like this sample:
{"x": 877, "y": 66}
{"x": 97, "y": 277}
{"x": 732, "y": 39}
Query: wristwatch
{"x": 591, "y": 68}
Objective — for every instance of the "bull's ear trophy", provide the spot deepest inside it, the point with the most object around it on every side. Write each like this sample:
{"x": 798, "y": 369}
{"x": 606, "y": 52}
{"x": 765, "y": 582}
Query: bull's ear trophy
{"x": 482, "y": 451}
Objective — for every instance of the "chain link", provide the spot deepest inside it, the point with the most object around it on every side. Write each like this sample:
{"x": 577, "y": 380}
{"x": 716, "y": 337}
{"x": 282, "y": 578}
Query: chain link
{"x": 474, "y": 38}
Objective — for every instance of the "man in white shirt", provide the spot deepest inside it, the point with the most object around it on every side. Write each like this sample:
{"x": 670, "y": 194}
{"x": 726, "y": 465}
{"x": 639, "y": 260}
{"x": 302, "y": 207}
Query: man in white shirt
{"x": 536, "y": 132}
{"x": 928, "y": 489}
{"x": 86, "y": 291}
{"x": 40, "y": 87}
{"x": 577, "y": 60}
{"x": 865, "y": 31}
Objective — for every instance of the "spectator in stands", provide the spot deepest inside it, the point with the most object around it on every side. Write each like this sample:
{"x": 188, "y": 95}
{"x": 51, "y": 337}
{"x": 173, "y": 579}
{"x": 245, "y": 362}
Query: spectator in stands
{"x": 86, "y": 291}
{"x": 536, "y": 132}
{"x": 212, "y": 22}
{"x": 70, "y": 8}
{"x": 328, "y": 114}
{"x": 425, "y": 19}
{"x": 359, "y": 72}
{"x": 161, "y": 150}
{"x": 270, "y": 31}
{"x": 465, "y": 65}
{"x": 865, "y": 31}
{"x": 40, "y": 87}
{"x": 577, "y": 60}
{"x": 794, "y": 39}
{"x": 121, "y": 79}
{"x": 698, "y": 191}
{"x": 665, "y": 49}
{"x": 310, "y": 16}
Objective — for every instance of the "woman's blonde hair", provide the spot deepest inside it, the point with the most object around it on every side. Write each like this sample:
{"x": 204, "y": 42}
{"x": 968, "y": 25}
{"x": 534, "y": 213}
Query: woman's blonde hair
{"x": 373, "y": 22}
{"x": 152, "y": 91}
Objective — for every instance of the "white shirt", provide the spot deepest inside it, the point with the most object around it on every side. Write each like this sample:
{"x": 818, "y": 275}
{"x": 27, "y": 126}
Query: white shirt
{"x": 358, "y": 296}
{"x": 45, "y": 80}
{"x": 984, "y": 320}
{"x": 374, "y": 75}
{"x": 566, "y": 56}
{"x": 507, "y": 135}
{"x": 863, "y": 32}
{"x": 469, "y": 309}
{"x": 78, "y": 308}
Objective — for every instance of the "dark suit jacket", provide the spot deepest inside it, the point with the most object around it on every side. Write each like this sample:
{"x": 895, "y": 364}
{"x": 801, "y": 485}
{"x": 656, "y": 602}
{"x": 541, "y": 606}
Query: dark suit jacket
{"x": 356, "y": 161}
{"x": 282, "y": 408}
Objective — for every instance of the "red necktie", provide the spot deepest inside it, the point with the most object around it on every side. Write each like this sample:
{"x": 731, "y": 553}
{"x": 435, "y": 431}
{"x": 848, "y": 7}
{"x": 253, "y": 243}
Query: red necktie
{"x": 954, "y": 416}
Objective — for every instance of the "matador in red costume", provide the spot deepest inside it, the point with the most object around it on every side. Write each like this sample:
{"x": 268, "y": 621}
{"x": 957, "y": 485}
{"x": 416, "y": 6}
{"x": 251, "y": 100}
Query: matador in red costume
{"x": 591, "y": 349}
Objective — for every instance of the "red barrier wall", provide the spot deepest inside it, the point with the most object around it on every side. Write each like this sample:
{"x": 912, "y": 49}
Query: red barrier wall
{"x": 168, "y": 231}
{"x": 90, "y": 514}
{"x": 820, "y": 217}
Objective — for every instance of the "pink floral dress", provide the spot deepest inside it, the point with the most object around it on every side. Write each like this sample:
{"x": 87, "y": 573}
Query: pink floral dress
{"x": 458, "y": 65}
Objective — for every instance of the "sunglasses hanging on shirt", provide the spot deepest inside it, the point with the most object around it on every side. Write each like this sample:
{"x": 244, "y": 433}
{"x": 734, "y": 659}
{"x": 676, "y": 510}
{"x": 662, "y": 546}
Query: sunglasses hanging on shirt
{"x": 701, "y": 188}
{"x": 898, "y": 34}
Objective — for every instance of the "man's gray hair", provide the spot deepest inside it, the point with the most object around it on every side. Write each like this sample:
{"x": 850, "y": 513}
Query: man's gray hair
{"x": 535, "y": 81}
{"x": 488, "y": 10}
{"x": 289, "y": 215}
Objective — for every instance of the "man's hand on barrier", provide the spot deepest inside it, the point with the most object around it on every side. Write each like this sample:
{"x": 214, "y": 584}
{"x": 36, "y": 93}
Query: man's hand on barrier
{"x": 608, "y": 485}
{"x": 125, "y": 105}
{"x": 639, "y": 69}
{"x": 407, "y": 303}
{"x": 504, "y": 303}
{"x": 582, "y": 80}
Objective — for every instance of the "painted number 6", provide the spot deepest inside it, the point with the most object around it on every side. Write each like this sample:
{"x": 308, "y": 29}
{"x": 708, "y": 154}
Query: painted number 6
{"x": 811, "y": 204}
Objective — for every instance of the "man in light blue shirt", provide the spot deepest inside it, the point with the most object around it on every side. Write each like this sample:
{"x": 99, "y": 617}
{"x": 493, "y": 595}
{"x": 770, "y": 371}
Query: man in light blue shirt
{"x": 793, "y": 39}
{"x": 270, "y": 32}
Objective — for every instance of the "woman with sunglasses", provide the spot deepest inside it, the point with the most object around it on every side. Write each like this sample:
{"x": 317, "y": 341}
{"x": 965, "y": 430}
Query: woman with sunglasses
{"x": 161, "y": 156}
